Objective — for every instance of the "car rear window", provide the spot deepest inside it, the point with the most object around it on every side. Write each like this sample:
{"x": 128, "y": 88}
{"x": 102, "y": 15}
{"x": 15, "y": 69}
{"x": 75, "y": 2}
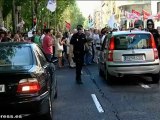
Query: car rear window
{"x": 132, "y": 41}
{"x": 15, "y": 55}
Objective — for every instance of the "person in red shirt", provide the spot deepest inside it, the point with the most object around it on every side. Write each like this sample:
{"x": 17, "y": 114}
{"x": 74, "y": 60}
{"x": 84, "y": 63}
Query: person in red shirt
{"x": 48, "y": 44}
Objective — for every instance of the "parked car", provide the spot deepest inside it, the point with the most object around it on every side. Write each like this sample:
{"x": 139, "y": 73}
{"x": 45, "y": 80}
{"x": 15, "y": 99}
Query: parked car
{"x": 126, "y": 53}
{"x": 27, "y": 81}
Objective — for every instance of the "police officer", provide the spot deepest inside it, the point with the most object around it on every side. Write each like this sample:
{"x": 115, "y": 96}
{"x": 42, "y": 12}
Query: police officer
{"x": 78, "y": 41}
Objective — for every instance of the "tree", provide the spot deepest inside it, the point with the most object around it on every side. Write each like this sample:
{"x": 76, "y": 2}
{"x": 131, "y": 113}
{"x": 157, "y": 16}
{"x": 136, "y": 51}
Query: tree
{"x": 79, "y": 19}
{"x": 72, "y": 15}
{"x": 1, "y": 13}
{"x": 43, "y": 15}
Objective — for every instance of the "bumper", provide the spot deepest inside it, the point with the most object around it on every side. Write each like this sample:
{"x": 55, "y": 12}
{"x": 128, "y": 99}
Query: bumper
{"x": 133, "y": 70}
{"x": 27, "y": 107}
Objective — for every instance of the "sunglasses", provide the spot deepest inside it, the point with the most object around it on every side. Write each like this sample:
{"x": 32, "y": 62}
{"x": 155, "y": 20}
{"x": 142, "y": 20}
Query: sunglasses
{"x": 80, "y": 29}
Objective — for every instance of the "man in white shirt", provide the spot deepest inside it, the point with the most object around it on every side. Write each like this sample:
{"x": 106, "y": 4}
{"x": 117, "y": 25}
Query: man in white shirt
{"x": 71, "y": 62}
{"x": 97, "y": 45}
{"x": 42, "y": 36}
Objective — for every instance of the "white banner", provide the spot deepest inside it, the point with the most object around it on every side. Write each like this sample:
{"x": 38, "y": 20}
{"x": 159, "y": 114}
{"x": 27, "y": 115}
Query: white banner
{"x": 51, "y": 5}
{"x": 112, "y": 23}
{"x": 30, "y": 32}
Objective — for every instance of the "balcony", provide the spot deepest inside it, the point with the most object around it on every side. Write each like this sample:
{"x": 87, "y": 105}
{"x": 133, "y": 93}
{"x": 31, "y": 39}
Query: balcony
{"x": 128, "y": 3}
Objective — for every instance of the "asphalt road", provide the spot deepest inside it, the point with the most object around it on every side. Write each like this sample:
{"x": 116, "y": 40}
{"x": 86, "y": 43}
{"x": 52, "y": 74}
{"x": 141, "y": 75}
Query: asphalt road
{"x": 134, "y": 98}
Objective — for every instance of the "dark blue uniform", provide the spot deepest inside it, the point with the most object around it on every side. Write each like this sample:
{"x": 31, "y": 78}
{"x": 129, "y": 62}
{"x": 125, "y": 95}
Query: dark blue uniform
{"x": 78, "y": 40}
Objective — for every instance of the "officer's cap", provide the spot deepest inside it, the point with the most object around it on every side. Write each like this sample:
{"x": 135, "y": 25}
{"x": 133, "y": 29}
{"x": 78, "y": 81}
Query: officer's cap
{"x": 79, "y": 27}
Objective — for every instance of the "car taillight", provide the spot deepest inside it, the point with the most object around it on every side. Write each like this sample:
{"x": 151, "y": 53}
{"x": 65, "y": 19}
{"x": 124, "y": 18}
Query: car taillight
{"x": 153, "y": 45}
{"x": 30, "y": 85}
{"x": 110, "y": 55}
{"x": 152, "y": 42}
{"x": 111, "y": 48}
{"x": 155, "y": 53}
{"x": 111, "y": 44}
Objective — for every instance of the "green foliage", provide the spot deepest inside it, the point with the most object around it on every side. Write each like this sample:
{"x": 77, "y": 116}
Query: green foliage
{"x": 6, "y": 7}
{"x": 73, "y": 15}
{"x": 78, "y": 17}
{"x": 65, "y": 11}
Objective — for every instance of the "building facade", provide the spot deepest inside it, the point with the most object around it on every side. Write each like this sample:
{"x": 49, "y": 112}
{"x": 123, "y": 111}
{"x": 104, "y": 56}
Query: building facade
{"x": 97, "y": 19}
{"x": 103, "y": 13}
{"x": 118, "y": 8}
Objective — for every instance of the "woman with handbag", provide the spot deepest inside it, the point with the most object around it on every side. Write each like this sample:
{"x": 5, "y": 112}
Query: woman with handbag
{"x": 59, "y": 47}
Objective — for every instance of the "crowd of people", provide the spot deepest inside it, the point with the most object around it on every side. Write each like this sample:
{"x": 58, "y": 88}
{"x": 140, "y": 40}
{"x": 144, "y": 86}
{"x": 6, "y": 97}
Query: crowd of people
{"x": 58, "y": 45}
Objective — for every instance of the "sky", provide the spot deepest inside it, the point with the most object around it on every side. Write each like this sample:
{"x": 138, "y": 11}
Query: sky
{"x": 87, "y": 7}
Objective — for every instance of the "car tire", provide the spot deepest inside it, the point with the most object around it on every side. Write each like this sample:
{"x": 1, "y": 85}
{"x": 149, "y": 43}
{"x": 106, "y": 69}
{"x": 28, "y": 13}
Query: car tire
{"x": 108, "y": 78}
{"x": 155, "y": 78}
{"x": 49, "y": 114}
{"x": 56, "y": 91}
{"x": 100, "y": 72}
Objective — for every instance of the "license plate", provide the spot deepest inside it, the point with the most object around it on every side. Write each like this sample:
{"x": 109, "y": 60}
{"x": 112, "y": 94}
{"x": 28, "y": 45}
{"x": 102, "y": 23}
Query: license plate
{"x": 133, "y": 58}
{"x": 2, "y": 88}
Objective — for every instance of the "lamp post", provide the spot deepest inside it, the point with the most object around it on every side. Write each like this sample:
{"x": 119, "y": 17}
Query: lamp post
{"x": 41, "y": 19}
{"x": 18, "y": 9}
{"x": 13, "y": 16}
{"x": 18, "y": 13}
{"x": 102, "y": 13}
{"x": 33, "y": 13}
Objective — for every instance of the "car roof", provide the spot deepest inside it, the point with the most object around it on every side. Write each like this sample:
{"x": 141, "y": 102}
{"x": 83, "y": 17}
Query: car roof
{"x": 17, "y": 44}
{"x": 130, "y": 32}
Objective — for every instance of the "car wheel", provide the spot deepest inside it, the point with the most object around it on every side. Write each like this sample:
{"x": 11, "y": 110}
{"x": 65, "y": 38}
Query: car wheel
{"x": 100, "y": 72}
{"x": 49, "y": 114}
{"x": 56, "y": 91}
{"x": 108, "y": 78}
{"x": 155, "y": 78}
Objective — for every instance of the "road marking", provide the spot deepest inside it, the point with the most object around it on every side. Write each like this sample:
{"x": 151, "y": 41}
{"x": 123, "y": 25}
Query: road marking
{"x": 99, "y": 107}
{"x": 144, "y": 86}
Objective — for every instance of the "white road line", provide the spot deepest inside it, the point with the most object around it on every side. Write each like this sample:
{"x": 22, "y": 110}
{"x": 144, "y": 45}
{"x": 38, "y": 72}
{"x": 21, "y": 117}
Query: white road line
{"x": 144, "y": 86}
{"x": 99, "y": 107}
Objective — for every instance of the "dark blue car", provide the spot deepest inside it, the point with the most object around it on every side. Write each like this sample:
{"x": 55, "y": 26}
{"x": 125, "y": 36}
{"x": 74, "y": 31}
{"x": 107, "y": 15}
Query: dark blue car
{"x": 27, "y": 81}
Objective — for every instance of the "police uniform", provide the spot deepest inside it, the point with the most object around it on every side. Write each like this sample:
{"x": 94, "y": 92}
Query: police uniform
{"x": 78, "y": 40}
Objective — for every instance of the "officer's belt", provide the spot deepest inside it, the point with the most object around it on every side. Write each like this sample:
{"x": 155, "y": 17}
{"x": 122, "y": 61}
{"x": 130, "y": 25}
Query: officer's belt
{"x": 78, "y": 52}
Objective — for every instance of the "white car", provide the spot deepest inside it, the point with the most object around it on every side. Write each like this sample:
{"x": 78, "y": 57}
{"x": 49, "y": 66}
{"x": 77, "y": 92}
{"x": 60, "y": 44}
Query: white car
{"x": 127, "y": 53}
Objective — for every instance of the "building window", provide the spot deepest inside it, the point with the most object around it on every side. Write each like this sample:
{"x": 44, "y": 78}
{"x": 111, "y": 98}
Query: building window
{"x": 158, "y": 7}
{"x": 113, "y": 10}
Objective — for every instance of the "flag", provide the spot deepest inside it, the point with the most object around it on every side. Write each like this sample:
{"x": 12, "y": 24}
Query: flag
{"x": 68, "y": 25}
{"x": 157, "y": 17}
{"x": 51, "y": 5}
{"x": 112, "y": 23}
{"x": 146, "y": 15}
{"x": 89, "y": 18}
{"x": 90, "y": 22}
{"x": 3, "y": 29}
{"x": 134, "y": 15}
{"x": 136, "y": 12}
{"x": 30, "y": 32}
{"x": 129, "y": 15}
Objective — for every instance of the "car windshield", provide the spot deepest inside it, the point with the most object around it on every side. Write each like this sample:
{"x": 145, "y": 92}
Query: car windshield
{"x": 15, "y": 55}
{"x": 132, "y": 41}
